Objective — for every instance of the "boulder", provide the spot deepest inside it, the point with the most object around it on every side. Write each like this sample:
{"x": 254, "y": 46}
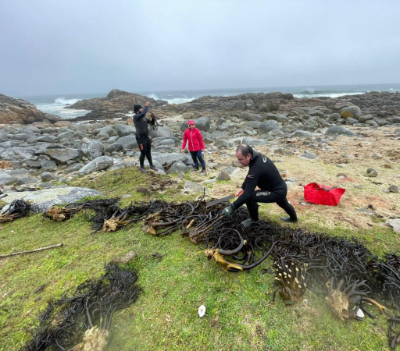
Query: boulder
{"x": 350, "y": 111}
{"x": 339, "y": 130}
{"x": 98, "y": 164}
{"x": 64, "y": 155}
{"x": 123, "y": 130}
{"x": 269, "y": 125}
{"x": 18, "y": 111}
{"x": 93, "y": 149}
{"x": 163, "y": 131}
{"x": 202, "y": 123}
{"x": 42, "y": 200}
{"x": 178, "y": 167}
{"x": 6, "y": 178}
{"x": 128, "y": 142}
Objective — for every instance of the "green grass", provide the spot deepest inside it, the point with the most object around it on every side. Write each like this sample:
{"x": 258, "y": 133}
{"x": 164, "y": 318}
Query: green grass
{"x": 240, "y": 312}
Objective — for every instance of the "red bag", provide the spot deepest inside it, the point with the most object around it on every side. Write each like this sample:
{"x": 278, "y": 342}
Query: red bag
{"x": 320, "y": 195}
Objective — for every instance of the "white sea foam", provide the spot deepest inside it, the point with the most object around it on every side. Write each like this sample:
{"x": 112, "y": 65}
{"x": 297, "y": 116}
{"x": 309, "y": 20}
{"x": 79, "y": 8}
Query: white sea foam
{"x": 58, "y": 108}
{"x": 180, "y": 100}
{"x": 62, "y": 101}
{"x": 331, "y": 95}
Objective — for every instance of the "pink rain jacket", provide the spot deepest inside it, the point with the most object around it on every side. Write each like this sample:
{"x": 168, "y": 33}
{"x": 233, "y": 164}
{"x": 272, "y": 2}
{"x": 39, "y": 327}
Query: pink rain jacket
{"x": 194, "y": 139}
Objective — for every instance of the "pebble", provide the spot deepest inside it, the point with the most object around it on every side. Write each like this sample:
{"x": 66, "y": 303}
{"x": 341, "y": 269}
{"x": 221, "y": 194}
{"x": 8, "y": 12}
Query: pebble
{"x": 394, "y": 189}
{"x": 372, "y": 172}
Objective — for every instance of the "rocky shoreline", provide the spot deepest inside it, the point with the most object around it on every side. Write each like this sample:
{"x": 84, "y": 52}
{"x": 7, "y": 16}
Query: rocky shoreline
{"x": 38, "y": 152}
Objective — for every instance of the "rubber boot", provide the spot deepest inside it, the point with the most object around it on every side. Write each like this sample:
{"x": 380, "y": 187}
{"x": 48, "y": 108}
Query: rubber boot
{"x": 248, "y": 222}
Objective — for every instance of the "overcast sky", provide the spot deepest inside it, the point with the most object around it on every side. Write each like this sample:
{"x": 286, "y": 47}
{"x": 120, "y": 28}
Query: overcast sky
{"x": 85, "y": 46}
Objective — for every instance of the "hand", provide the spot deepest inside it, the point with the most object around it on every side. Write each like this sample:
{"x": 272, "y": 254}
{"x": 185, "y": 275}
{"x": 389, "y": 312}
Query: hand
{"x": 182, "y": 151}
{"x": 239, "y": 192}
{"x": 227, "y": 211}
{"x": 147, "y": 104}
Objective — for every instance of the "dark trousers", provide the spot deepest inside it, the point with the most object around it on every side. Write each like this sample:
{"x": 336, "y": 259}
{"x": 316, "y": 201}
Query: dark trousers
{"x": 144, "y": 143}
{"x": 197, "y": 157}
{"x": 267, "y": 197}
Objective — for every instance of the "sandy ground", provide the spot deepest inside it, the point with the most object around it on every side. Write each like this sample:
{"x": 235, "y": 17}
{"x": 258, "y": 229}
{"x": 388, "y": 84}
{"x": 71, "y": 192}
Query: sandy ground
{"x": 366, "y": 202}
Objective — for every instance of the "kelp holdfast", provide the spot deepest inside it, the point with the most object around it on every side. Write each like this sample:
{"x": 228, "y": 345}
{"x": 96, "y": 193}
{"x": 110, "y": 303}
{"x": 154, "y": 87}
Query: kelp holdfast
{"x": 320, "y": 195}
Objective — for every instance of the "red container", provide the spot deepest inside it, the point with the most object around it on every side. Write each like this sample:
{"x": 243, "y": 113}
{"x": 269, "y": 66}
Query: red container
{"x": 320, "y": 195}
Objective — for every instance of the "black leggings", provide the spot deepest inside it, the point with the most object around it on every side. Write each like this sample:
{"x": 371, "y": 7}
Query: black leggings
{"x": 145, "y": 150}
{"x": 264, "y": 196}
{"x": 196, "y": 155}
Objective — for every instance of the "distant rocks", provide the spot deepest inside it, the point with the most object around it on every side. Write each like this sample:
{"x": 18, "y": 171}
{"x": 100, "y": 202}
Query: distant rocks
{"x": 117, "y": 102}
{"x": 19, "y": 111}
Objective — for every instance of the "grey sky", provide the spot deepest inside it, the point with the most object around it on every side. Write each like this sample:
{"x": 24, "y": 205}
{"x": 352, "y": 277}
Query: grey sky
{"x": 59, "y": 47}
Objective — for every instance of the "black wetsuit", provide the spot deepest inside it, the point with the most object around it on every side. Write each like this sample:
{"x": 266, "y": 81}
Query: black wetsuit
{"x": 264, "y": 174}
{"x": 142, "y": 137}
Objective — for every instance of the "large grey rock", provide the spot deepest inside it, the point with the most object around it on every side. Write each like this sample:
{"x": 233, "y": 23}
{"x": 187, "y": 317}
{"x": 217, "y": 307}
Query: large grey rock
{"x": 247, "y": 116}
{"x": 48, "y": 165}
{"x": 33, "y": 163}
{"x": 253, "y": 124}
{"x": 46, "y": 139}
{"x": 109, "y": 130}
{"x": 223, "y": 175}
{"x": 351, "y": 121}
{"x": 364, "y": 118}
{"x": 302, "y": 133}
{"x": 202, "y": 123}
{"x": 47, "y": 176}
{"x": 395, "y": 224}
{"x": 42, "y": 200}
{"x": 252, "y": 141}
{"x": 167, "y": 158}
{"x": 26, "y": 180}
{"x": 3, "y": 137}
{"x": 21, "y": 136}
{"x": 17, "y": 153}
{"x": 98, "y": 164}
{"x": 127, "y": 142}
{"x": 339, "y": 130}
{"x": 66, "y": 135}
{"x": 178, "y": 167}
{"x": 6, "y": 178}
{"x": 113, "y": 148}
{"x": 163, "y": 131}
{"x": 124, "y": 130}
{"x": 93, "y": 149}
{"x": 64, "y": 155}
{"x": 269, "y": 125}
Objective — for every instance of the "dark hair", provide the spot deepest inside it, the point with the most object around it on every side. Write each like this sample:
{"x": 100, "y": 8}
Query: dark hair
{"x": 245, "y": 150}
{"x": 136, "y": 108}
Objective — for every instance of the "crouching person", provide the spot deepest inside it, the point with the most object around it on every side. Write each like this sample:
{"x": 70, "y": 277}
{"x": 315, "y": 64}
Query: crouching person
{"x": 264, "y": 175}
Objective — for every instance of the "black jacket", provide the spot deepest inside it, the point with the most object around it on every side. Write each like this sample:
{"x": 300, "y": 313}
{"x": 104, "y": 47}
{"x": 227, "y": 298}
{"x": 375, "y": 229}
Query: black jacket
{"x": 262, "y": 173}
{"x": 140, "y": 122}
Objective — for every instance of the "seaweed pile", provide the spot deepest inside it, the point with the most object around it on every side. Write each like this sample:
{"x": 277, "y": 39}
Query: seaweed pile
{"x": 82, "y": 321}
{"x": 339, "y": 268}
{"x": 16, "y": 209}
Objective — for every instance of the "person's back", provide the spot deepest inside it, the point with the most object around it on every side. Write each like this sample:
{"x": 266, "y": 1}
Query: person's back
{"x": 266, "y": 173}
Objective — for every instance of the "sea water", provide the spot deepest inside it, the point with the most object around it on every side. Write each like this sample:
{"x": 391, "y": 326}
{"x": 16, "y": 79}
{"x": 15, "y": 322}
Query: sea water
{"x": 57, "y": 104}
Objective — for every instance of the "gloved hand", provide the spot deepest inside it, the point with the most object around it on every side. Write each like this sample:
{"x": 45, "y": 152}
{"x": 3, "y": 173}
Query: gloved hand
{"x": 227, "y": 211}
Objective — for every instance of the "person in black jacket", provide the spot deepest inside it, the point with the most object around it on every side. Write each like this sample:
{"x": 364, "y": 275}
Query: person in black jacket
{"x": 142, "y": 135}
{"x": 264, "y": 175}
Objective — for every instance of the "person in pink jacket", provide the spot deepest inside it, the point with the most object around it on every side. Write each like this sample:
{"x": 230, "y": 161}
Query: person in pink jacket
{"x": 193, "y": 137}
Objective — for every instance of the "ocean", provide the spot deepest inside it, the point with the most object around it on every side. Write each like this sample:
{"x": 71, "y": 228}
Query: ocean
{"x": 56, "y": 104}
